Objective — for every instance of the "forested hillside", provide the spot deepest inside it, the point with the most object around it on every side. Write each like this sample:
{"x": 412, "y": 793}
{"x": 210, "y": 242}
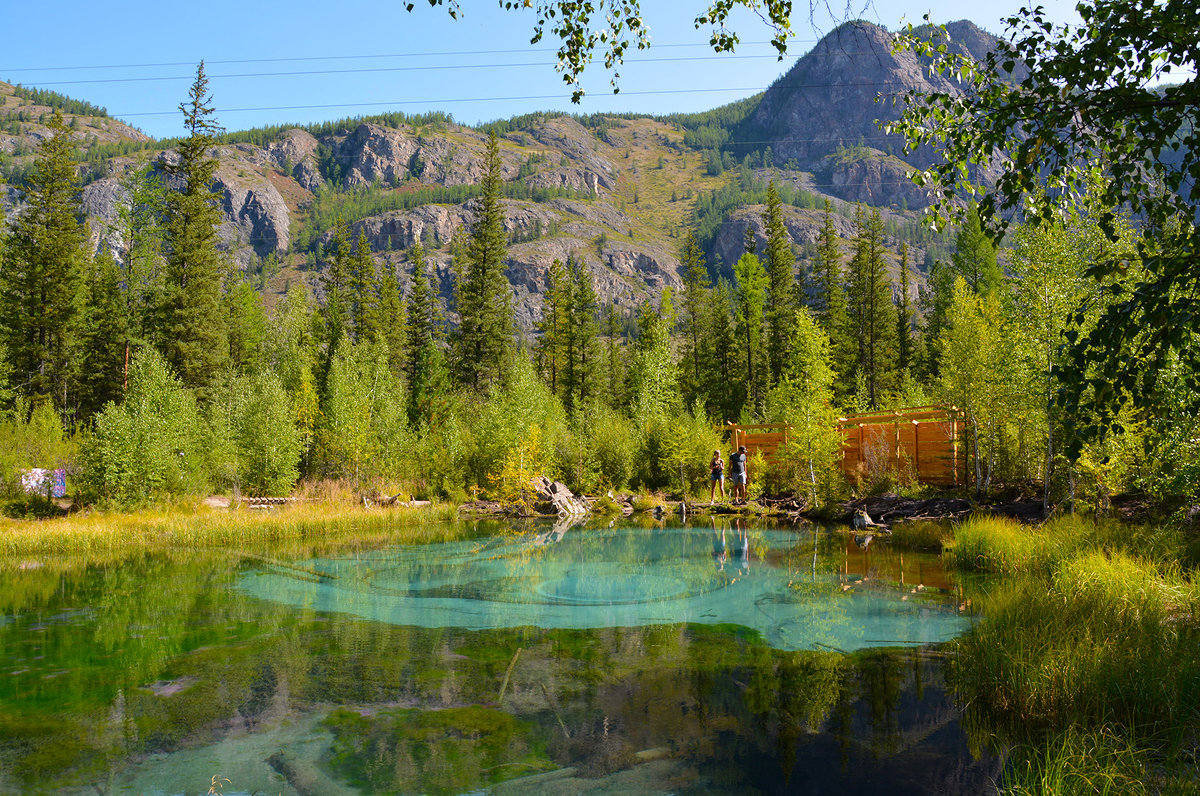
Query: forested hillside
{"x": 580, "y": 296}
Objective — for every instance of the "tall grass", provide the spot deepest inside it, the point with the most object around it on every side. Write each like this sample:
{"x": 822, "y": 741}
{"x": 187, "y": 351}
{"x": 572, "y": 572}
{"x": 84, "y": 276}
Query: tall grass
{"x": 1106, "y": 639}
{"x": 1079, "y": 763}
{"x": 102, "y": 533}
{"x": 1003, "y": 545}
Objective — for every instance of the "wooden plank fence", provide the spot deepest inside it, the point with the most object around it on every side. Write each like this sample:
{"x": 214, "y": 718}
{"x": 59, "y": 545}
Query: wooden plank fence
{"x": 922, "y": 440}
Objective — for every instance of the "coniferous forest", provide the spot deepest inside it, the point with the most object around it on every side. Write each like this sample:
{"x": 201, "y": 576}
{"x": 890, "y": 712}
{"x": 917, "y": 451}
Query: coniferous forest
{"x": 401, "y": 322}
{"x": 155, "y": 370}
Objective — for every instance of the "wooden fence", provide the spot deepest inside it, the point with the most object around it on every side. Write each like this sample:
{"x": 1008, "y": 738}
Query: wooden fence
{"x": 923, "y": 441}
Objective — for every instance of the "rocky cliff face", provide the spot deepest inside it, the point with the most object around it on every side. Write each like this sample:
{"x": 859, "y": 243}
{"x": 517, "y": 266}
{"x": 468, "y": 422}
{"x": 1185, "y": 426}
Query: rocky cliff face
{"x": 833, "y": 100}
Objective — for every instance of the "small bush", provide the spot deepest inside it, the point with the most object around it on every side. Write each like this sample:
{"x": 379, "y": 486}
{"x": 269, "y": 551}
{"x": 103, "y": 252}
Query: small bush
{"x": 921, "y": 534}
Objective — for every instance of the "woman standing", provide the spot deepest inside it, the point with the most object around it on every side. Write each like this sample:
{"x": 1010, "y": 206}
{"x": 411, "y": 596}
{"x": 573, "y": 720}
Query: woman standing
{"x": 716, "y": 476}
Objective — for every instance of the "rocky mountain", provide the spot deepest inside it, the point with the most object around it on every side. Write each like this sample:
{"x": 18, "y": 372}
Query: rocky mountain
{"x": 618, "y": 193}
{"x": 823, "y": 113}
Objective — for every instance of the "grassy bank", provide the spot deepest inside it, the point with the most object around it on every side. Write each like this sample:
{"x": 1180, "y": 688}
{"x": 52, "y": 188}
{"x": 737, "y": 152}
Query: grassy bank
{"x": 194, "y": 525}
{"x": 1087, "y": 662}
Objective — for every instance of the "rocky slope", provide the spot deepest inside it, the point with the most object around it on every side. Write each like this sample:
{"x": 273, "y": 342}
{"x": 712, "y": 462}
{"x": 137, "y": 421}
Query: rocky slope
{"x": 627, "y": 187}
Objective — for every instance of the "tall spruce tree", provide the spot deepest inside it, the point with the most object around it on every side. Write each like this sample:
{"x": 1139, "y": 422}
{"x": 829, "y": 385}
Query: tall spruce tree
{"x": 336, "y": 282}
{"x": 580, "y": 374}
{"x": 425, "y": 364}
{"x": 974, "y": 256}
{"x": 193, "y": 335}
{"x": 483, "y": 294}
{"x": 830, "y": 298}
{"x": 695, "y": 297}
{"x": 102, "y": 337}
{"x": 43, "y": 273}
{"x": 781, "y": 290}
{"x": 614, "y": 363}
{"x": 726, "y": 393}
{"x": 364, "y": 295}
{"x": 872, "y": 311}
{"x": 752, "y": 285}
{"x": 904, "y": 317}
{"x": 393, "y": 320}
{"x": 554, "y": 325}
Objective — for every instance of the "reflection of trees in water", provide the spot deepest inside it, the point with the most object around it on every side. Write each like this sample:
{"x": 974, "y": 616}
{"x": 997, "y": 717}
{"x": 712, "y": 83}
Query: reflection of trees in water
{"x": 218, "y": 659}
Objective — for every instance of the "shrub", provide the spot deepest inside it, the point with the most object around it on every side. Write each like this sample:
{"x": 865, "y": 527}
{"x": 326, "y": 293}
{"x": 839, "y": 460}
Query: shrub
{"x": 152, "y": 445}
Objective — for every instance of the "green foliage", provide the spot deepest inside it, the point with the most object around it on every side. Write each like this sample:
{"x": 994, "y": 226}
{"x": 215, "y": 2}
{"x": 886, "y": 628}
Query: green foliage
{"x": 482, "y": 293}
{"x": 1115, "y": 132}
{"x": 193, "y": 334}
{"x": 34, "y": 437}
{"x": 752, "y": 287}
{"x": 517, "y": 412}
{"x": 268, "y": 443}
{"x": 803, "y": 400}
{"x": 871, "y": 311}
{"x": 153, "y": 445}
{"x": 61, "y": 102}
{"x": 363, "y": 432}
{"x": 44, "y": 266}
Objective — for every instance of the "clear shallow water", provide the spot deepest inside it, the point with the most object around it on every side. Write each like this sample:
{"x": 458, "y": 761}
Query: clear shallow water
{"x": 651, "y": 660}
{"x": 618, "y": 577}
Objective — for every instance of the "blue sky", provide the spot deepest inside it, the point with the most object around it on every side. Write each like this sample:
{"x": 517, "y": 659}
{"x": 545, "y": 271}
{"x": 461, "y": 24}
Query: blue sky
{"x": 277, "y": 62}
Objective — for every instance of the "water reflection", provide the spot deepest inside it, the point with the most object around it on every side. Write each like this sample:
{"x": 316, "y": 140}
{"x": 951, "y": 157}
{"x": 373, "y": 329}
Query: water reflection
{"x": 624, "y": 577}
{"x": 152, "y": 674}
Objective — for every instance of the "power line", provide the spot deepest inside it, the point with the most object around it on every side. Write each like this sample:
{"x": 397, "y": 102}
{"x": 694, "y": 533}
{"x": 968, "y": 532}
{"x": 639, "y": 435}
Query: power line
{"x": 376, "y": 69}
{"x": 302, "y": 58}
{"x": 446, "y": 100}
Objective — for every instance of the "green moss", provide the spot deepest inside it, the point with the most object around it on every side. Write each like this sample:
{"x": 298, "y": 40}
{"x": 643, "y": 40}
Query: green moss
{"x": 440, "y": 751}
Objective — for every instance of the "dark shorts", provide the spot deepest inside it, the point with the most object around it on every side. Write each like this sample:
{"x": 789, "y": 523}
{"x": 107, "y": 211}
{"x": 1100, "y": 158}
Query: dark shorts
{"x": 738, "y": 479}
{"x": 717, "y": 476}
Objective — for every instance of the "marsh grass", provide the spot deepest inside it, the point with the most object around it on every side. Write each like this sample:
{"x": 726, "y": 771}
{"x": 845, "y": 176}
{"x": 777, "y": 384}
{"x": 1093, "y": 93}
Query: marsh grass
{"x": 1085, "y": 762}
{"x": 921, "y": 534}
{"x": 1003, "y": 545}
{"x": 196, "y": 526}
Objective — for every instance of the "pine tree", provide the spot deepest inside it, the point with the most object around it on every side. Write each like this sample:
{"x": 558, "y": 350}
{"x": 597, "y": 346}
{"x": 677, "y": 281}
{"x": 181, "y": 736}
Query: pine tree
{"x": 904, "y": 338}
{"x": 337, "y": 285}
{"x": 554, "y": 325}
{"x": 695, "y": 296}
{"x": 193, "y": 334}
{"x": 830, "y": 299}
{"x": 363, "y": 287}
{"x": 141, "y": 227}
{"x": 483, "y": 293}
{"x": 974, "y": 256}
{"x": 426, "y": 366}
{"x": 613, "y": 361}
{"x": 752, "y": 284}
{"x": 393, "y": 321}
{"x": 726, "y": 393}
{"x": 781, "y": 289}
{"x": 935, "y": 301}
{"x": 871, "y": 309}
{"x": 102, "y": 338}
{"x": 580, "y": 375}
{"x": 246, "y": 320}
{"x": 43, "y": 273}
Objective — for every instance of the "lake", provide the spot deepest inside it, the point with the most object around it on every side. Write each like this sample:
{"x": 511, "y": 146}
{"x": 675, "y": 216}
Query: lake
{"x": 716, "y": 657}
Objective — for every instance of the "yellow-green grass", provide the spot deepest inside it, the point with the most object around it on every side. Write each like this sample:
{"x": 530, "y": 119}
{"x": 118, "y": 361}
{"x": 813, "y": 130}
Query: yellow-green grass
{"x": 1003, "y": 545}
{"x": 197, "y": 526}
{"x": 1080, "y": 762}
{"x": 921, "y": 534}
{"x": 1105, "y": 638}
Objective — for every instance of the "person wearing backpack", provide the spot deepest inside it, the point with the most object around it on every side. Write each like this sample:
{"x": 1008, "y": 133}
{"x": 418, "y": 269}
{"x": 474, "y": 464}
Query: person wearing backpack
{"x": 738, "y": 474}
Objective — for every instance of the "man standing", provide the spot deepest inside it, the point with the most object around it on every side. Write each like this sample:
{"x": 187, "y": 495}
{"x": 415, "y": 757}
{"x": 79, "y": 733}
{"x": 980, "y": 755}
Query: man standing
{"x": 738, "y": 474}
